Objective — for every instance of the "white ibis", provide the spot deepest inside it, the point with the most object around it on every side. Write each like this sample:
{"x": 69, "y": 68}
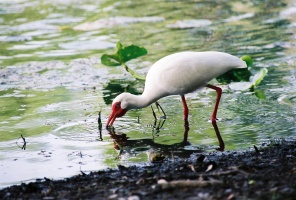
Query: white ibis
{"x": 178, "y": 74}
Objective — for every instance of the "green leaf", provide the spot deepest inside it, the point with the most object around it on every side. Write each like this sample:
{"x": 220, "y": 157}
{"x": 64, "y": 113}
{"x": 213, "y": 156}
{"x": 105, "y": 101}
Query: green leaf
{"x": 118, "y": 46}
{"x": 122, "y": 55}
{"x": 238, "y": 74}
{"x": 235, "y": 75}
{"x": 257, "y": 78}
{"x": 242, "y": 74}
{"x": 130, "y": 52}
{"x": 260, "y": 94}
{"x": 249, "y": 61}
{"x": 110, "y": 60}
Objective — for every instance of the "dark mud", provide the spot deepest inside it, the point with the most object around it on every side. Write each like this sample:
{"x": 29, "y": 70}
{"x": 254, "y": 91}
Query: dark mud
{"x": 266, "y": 172}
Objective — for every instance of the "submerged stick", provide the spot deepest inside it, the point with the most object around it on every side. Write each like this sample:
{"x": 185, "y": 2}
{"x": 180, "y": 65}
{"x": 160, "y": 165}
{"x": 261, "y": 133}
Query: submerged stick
{"x": 24, "y": 141}
{"x": 100, "y": 126}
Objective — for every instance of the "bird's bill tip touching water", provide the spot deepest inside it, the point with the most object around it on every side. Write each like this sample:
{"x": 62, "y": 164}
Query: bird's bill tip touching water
{"x": 111, "y": 119}
{"x": 117, "y": 111}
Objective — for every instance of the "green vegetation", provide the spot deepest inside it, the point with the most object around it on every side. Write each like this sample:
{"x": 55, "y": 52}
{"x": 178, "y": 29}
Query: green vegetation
{"x": 123, "y": 55}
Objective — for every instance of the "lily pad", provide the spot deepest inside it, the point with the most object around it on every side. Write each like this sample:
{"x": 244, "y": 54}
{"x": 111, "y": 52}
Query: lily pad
{"x": 235, "y": 75}
{"x": 123, "y": 55}
{"x": 252, "y": 84}
{"x": 110, "y": 60}
{"x": 257, "y": 78}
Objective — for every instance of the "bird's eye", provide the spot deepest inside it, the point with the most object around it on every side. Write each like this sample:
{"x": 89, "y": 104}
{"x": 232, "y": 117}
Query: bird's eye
{"x": 117, "y": 105}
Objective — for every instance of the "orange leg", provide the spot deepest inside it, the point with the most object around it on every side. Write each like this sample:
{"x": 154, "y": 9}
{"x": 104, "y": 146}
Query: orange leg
{"x": 186, "y": 124}
{"x": 186, "y": 112}
{"x": 214, "y": 116}
{"x": 219, "y": 93}
{"x": 221, "y": 142}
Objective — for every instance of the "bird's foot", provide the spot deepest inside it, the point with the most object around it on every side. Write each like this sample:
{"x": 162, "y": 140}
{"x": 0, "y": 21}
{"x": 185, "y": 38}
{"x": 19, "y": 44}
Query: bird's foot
{"x": 220, "y": 149}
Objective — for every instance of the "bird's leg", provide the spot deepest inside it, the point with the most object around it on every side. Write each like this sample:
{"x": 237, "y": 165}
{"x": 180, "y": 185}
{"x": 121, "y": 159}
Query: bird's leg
{"x": 186, "y": 130}
{"x": 185, "y": 107}
{"x": 186, "y": 124}
{"x": 159, "y": 125}
{"x": 154, "y": 115}
{"x": 219, "y": 93}
{"x": 214, "y": 116}
{"x": 221, "y": 142}
{"x": 159, "y": 106}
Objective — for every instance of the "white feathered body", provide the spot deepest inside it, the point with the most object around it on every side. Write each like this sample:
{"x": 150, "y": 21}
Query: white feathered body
{"x": 185, "y": 72}
{"x": 180, "y": 73}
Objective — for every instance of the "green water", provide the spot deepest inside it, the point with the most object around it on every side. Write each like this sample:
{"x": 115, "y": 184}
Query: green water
{"x": 52, "y": 84}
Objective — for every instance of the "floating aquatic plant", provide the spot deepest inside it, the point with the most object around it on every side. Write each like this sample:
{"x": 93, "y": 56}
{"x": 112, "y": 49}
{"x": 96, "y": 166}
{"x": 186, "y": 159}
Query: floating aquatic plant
{"x": 123, "y": 55}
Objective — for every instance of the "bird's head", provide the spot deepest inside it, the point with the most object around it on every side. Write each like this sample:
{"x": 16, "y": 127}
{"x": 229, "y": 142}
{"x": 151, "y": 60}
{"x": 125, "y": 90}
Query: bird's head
{"x": 119, "y": 108}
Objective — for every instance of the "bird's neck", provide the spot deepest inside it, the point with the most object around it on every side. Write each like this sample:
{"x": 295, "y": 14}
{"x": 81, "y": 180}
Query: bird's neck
{"x": 141, "y": 101}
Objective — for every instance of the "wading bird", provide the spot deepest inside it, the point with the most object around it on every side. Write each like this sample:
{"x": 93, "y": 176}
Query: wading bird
{"x": 178, "y": 74}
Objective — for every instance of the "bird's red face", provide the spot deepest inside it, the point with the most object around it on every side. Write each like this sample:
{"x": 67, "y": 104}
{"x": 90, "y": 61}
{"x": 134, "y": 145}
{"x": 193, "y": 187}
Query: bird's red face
{"x": 117, "y": 111}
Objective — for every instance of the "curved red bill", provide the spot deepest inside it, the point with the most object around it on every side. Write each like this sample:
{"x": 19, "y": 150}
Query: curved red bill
{"x": 117, "y": 111}
{"x": 111, "y": 118}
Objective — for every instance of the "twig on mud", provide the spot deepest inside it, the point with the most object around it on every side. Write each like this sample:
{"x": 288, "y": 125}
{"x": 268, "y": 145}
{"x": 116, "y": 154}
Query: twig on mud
{"x": 187, "y": 183}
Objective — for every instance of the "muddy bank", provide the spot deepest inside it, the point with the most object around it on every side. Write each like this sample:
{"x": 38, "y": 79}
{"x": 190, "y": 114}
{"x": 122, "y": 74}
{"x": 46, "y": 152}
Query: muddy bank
{"x": 267, "y": 172}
